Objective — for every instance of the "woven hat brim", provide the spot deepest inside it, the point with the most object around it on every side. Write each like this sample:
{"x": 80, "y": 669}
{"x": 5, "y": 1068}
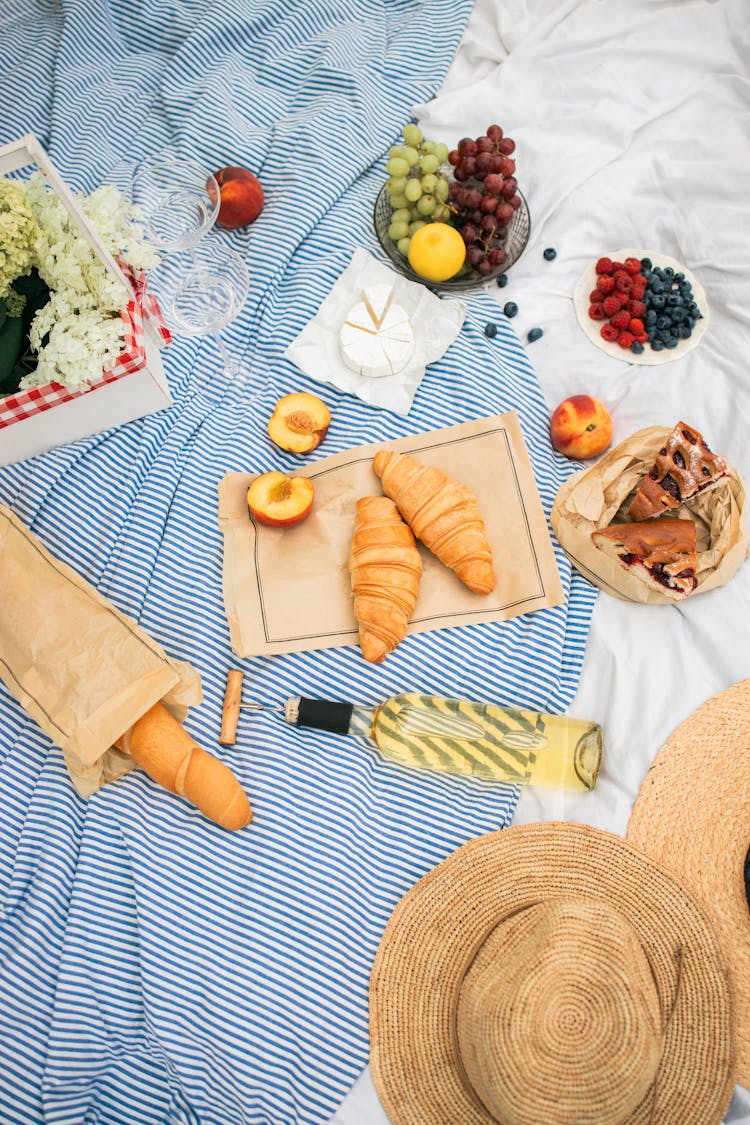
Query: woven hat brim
{"x": 437, "y": 927}
{"x": 692, "y": 816}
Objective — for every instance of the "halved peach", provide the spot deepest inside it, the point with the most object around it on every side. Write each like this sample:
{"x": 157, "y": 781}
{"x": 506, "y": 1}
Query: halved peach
{"x": 299, "y": 423}
{"x": 278, "y": 500}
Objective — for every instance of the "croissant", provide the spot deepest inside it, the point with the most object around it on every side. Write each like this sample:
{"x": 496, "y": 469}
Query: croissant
{"x": 441, "y": 512}
{"x": 385, "y": 568}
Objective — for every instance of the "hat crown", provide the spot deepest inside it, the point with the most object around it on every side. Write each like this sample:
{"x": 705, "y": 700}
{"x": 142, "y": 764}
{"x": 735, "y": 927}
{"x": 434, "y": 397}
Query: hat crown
{"x": 559, "y": 1017}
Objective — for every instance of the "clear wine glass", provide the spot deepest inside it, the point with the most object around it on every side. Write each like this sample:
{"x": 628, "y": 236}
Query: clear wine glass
{"x": 202, "y": 290}
{"x": 178, "y": 201}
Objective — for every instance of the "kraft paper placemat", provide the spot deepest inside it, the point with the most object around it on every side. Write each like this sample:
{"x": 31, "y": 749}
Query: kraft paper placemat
{"x": 288, "y": 589}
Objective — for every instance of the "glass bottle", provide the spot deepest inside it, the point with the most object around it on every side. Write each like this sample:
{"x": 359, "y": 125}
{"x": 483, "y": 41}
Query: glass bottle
{"x": 457, "y": 736}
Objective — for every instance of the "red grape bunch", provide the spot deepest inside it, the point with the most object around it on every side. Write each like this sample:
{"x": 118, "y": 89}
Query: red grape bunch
{"x": 484, "y": 196}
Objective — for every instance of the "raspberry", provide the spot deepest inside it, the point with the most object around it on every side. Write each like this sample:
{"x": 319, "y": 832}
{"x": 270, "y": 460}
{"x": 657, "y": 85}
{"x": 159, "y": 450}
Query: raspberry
{"x": 596, "y": 311}
{"x": 621, "y": 319}
{"x": 610, "y": 305}
{"x": 606, "y": 283}
{"x": 632, "y": 265}
{"x": 637, "y": 287}
{"x": 637, "y": 308}
{"x": 617, "y": 267}
{"x": 604, "y": 265}
{"x": 625, "y": 339}
{"x": 636, "y": 326}
{"x": 642, "y": 339}
{"x": 608, "y": 332}
{"x": 623, "y": 282}
{"x": 595, "y": 296}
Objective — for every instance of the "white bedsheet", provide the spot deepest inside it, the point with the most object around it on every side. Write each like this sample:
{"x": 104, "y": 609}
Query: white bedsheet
{"x": 632, "y": 121}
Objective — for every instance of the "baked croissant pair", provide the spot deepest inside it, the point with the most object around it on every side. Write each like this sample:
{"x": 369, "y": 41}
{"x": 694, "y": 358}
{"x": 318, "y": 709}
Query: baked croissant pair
{"x": 384, "y": 562}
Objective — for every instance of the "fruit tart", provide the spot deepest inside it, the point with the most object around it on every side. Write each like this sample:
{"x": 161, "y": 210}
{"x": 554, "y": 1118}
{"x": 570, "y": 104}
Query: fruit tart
{"x": 684, "y": 467}
{"x": 661, "y": 552}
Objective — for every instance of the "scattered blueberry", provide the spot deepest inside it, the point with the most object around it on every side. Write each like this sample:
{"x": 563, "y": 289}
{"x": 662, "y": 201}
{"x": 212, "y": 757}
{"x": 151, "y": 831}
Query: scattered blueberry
{"x": 646, "y": 263}
{"x": 550, "y": 254}
{"x": 636, "y": 347}
{"x": 490, "y": 330}
{"x": 502, "y": 281}
{"x": 510, "y": 309}
{"x": 534, "y": 334}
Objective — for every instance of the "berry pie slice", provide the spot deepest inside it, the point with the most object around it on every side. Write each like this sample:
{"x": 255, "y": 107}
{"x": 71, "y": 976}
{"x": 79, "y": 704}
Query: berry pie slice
{"x": 684, "y": 467}
{"x": 660, "y": 552}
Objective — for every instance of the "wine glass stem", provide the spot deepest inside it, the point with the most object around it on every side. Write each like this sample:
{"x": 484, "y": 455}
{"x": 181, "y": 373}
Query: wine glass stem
{"x": 229, "y": 365}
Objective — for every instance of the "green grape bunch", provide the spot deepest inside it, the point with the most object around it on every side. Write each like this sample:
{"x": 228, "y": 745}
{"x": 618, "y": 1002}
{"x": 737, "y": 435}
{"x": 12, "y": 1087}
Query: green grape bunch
{"x": 419, "y": 192}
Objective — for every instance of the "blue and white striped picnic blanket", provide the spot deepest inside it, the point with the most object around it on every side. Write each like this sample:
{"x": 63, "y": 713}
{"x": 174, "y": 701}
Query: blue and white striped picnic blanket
{"x": 152, "y": 967}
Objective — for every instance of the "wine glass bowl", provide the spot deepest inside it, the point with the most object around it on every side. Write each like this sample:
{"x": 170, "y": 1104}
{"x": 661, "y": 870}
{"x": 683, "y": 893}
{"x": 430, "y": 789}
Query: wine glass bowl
{"x": 202, "y": 290}
{"x": 516, "y": 239}
{"x": 177, "y": 199}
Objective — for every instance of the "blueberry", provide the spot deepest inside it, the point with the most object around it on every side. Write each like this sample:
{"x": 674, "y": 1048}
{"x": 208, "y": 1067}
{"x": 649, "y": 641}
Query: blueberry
{"x": 650, "y": 317}
{"x": 651, "y": 331}
{"x": 663, "y": 322}
{"x": 510, "y": 309}
{"x": 658, "y": 301}
{"x": 636, "y": 347}
{"x": 671, "y": 342}
{"x": 657, "y": 287}
{"x": 657, "y": 345}
{"x": 647, "y": 298}
{"x": 490, "y": 330}
{"x": 672, "y": 300}
{"x": 664, "y": 334}
{"x": 646, "y": 263}
{"x": 690, "y": 321}
{"x": 502, "y": 281}
{"x": 679, "y": 277}
{"x": 677, "y": 315}
{"x": 659, "y": 273}
{"x": 534, "y": 334}
{"x": 550, "y": 254}
{"x": 668, "y": 273}
{"x": 684, "y": 331}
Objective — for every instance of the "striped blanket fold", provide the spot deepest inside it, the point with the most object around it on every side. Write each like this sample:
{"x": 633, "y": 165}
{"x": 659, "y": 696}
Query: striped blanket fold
{"x": 154, "y": 969}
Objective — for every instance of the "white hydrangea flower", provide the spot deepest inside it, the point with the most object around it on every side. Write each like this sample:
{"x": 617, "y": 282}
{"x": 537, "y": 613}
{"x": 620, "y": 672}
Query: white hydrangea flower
{"x": 79, "y": 332}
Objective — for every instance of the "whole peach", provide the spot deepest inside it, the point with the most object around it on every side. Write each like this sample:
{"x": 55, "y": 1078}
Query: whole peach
{"x": 240, "y": 197}
{"x": 581, "y": 427}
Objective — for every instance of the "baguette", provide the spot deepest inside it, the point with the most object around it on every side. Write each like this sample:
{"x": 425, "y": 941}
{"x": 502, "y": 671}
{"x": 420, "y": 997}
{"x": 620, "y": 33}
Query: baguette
{"x": 169, "y": 756}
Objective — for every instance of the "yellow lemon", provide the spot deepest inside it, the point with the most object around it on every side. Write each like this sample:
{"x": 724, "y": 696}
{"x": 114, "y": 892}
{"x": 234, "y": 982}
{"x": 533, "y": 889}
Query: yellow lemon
{"x": 436, "y": 251}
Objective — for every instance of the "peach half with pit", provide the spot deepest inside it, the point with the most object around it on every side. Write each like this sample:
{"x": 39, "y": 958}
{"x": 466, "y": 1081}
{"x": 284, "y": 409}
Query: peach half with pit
{"x": 276, "y": 500}
{"x": 299, "y": 423}
{"x": 581, "y": 427}
{"x": 240, "y": 197}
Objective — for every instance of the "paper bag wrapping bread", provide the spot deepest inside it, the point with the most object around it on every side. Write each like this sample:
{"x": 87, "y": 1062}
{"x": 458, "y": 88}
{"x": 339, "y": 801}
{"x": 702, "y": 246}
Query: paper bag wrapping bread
{"x": 83, "y": 670}
{"x": 599, "y": 496}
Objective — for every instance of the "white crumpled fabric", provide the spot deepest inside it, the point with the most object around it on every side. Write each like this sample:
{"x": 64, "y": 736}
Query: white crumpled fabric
{"x": 436, "y": 322}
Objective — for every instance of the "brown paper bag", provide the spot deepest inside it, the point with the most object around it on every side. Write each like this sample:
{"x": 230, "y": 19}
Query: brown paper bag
{"x": 82, "y": 669}
{"x": 599, "y": 496}
{"x": 288, "y": 589}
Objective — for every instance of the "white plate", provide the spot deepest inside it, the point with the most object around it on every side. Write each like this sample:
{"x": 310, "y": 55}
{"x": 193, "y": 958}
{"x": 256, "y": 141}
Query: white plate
{"x": 648, "y": 357}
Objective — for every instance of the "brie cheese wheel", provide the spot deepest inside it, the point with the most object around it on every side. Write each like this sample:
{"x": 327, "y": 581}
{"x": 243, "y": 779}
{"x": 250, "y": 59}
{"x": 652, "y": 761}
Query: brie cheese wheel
{"x": 377, "y": 338}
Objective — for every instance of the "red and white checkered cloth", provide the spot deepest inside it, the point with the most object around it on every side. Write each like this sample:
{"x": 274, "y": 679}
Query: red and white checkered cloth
{"x": 142, "y": 307}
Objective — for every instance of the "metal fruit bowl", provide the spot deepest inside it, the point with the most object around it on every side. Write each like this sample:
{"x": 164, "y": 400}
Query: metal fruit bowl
{"x": 467, "y": 278}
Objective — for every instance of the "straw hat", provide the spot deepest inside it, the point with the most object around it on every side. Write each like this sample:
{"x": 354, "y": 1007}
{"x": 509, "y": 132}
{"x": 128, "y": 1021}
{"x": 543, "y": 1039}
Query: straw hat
{"x": 693, "y": 816}
{"x": 549, "y": 974}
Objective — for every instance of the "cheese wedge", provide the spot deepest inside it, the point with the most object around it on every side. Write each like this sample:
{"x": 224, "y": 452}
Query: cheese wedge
{"x": 377, "y": 338}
